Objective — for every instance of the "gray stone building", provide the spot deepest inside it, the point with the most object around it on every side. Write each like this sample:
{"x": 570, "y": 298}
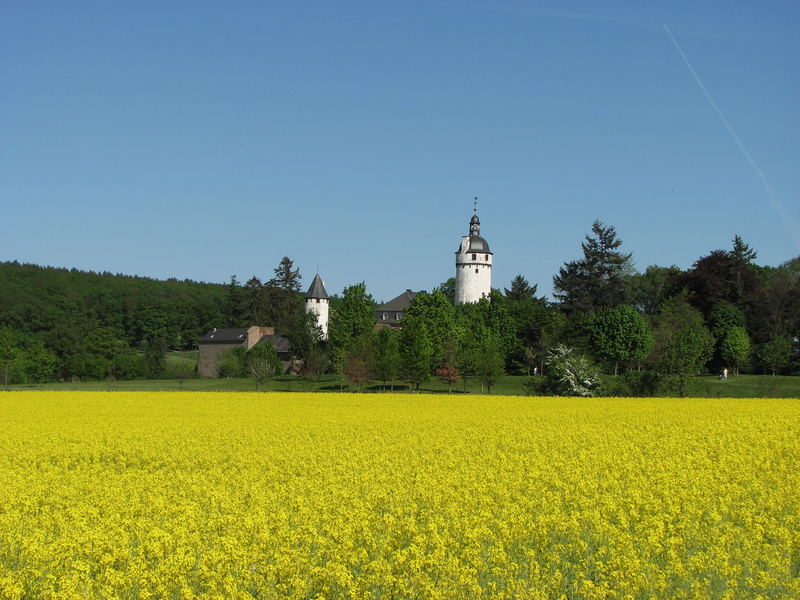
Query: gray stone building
{"x": 216, "y": 342}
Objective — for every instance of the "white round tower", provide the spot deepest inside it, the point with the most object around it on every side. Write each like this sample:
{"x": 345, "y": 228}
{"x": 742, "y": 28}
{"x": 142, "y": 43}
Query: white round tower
{"x": 317, "y": 303}
{"x": 473, "y": 266}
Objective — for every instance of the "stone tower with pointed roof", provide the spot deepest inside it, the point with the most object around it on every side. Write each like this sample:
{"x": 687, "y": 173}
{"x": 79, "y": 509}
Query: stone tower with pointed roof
{"x": 473, "y": 265}
{"x": 317, "y": 302}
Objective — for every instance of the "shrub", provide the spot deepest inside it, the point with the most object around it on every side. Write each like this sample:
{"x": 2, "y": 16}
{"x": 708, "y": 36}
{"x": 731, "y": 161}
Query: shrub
{"x": 570, "y": 373}
{"x": 232, "y": 363}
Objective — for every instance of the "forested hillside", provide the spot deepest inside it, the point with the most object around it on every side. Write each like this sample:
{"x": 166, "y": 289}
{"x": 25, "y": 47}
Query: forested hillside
{"x": 75, "y": 323}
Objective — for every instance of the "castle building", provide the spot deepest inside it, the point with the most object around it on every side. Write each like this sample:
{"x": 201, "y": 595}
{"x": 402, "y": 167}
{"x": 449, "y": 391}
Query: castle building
{"x": 473, "y": 266}
{"x": 317, "y": 302}
{"x": 390, "y": 313}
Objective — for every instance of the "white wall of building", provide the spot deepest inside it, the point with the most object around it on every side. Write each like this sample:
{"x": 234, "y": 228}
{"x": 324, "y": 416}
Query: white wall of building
{"x": 473, "y": 274}
{"x": 319, "y": 306}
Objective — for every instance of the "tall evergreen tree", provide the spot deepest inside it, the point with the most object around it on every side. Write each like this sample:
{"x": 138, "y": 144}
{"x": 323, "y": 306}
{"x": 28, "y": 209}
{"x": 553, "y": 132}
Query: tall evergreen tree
{"x": 234, "y": 308}
{"x": 741, "y": 256}
{"x": 521, "y": 289}
{"x": 280, "y": 299}
{"x": 598, "y": 279}
{"x": 286, "y": 278}
{"x": 255, "y": 302}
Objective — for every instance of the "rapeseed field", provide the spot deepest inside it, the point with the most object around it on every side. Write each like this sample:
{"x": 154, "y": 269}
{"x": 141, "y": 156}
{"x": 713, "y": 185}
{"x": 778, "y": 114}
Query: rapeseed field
{"x": 170, "y": 495}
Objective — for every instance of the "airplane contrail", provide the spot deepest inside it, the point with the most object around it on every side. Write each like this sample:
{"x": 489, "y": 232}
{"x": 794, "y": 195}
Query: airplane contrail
{"x": 777, "y": 205}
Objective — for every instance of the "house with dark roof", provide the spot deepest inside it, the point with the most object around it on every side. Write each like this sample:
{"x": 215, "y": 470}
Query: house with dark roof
{"x": 217, "y": 342}
{"x": 390, "y": 313}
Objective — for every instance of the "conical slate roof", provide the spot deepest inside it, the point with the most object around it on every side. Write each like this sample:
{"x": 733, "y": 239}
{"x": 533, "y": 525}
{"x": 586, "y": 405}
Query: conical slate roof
{"x": 317, "y": 289}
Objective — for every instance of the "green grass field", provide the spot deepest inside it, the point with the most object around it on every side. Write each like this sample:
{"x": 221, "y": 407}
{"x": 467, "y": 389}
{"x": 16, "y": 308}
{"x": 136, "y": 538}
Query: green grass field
{"x": 740, "y": 386}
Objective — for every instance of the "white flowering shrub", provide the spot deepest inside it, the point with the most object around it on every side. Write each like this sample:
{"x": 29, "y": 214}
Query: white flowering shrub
{"x": 570, "y": 373}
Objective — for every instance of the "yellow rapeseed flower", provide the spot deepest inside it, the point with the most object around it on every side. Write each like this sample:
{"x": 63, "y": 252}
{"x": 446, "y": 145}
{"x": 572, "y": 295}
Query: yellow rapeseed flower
{"x": 328, "y": 496}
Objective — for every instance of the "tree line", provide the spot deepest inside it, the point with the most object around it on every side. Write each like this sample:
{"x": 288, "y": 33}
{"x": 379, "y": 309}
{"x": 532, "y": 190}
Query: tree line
{"x": 654, "y": 329}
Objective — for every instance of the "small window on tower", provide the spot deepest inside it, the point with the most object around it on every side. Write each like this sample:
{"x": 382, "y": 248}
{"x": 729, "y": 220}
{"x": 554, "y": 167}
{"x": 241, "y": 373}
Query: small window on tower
{"x": 487, "y": 257}
{"x": 474, "y": 257}
{"x": 317, "y": 300}
{"x": 476, "y": 270}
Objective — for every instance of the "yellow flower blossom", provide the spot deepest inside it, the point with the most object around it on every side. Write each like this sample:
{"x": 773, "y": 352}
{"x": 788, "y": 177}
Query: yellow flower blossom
{"x": 337, "y": 496}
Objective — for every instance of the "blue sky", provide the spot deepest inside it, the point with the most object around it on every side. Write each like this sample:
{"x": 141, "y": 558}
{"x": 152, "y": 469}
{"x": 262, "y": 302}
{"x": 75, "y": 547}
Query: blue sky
{"x": 204, "y": 139}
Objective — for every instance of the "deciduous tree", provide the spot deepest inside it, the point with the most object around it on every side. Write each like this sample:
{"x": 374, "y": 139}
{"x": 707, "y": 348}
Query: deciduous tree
{"x": 262, "y": 363}
{"x": 416, "y": 352}
{"x": 448, "y": 288}
{"x": 650, "y": 289}
{"x": 448, "y": 374}
{"x": 682, "y": 345}
{"x": 439, "y": 317}
{"x": 620, "y": 334}
{"x": 352, "y": 316}
{"x": 488, "y": 361}
{"x": 775, "y": 353}
{"x": 387, "y": 356}
{"x": 736, "y": 347}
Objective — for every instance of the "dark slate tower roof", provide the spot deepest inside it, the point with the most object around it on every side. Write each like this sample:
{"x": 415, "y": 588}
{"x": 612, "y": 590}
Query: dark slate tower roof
{"x": 317, "y": 290}
{"x": 476, "y": 242}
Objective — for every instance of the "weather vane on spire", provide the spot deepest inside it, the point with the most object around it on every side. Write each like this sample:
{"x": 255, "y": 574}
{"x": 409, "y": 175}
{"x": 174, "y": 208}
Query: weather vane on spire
{"x": 475, "y": 205}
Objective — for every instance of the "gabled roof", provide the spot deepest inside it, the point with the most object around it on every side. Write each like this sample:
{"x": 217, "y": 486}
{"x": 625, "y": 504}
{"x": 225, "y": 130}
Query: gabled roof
{"x": 317, "y": 289}
{"x": 225, "y": 336}
{"x": 401, "y": 302}
{"x": 279, "y": 342}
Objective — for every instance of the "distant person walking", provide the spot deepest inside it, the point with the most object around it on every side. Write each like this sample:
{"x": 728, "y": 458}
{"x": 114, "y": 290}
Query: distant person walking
{"x": 725, "y": 374}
